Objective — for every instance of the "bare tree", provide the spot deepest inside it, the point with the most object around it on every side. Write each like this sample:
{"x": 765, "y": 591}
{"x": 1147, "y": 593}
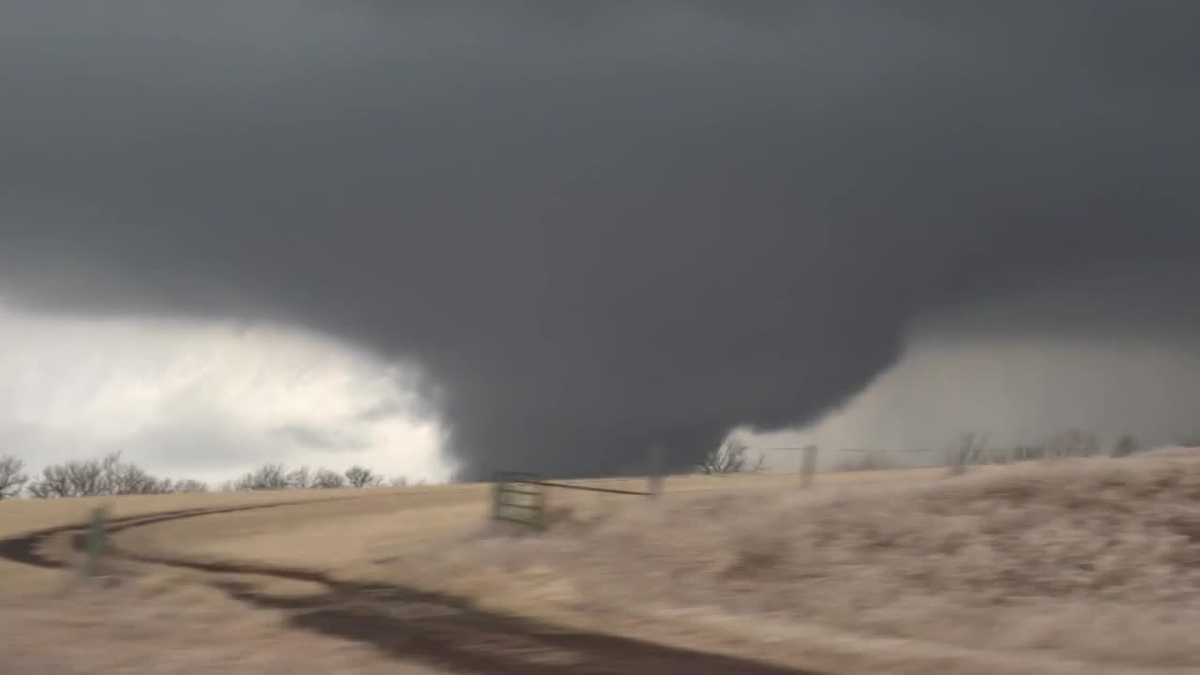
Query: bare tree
{"x": 86, "y": 477}
{"x": 182, "y": 486}
{"x": 328, "y": 480}
{"x": 729, "y": 457}
{"x": 39, "y": 490}
{"x": 362, "y": 477}
{"x": 265, "y": 477}
{"x": 105, "y": 476}
{"x": 399, "y": 481}
{"x": 76, "y": 478}
{"x": 12, "y": 479}
{"x": 971, "y": 449}
{"x": 126, "y": 478}
{"x": 53, "y": 483}
{"x": 300, "y": 478}
{"x": 1125, "y": 446}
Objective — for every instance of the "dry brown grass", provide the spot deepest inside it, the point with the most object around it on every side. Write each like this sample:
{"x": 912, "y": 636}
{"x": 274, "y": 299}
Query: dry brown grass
{"x": 20, "y": 516}
{"x": 169, "y": 624}
{"x": 375, "y": 523}
{"x": 1042, "y": 567}
{"x": 1082, "y": 561}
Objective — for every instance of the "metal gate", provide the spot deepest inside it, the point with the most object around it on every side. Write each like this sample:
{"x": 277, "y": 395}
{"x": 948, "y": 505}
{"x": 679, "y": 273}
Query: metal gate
{"x": 520, "y": 498}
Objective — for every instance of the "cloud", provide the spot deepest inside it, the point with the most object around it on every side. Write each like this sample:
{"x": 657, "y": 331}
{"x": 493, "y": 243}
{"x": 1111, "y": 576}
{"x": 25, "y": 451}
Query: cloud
{"x": 203, "y": 399}
{"x": 1019, "y": 371}
{"x": 309, "y": 437}
{"x": 593, "y": 230}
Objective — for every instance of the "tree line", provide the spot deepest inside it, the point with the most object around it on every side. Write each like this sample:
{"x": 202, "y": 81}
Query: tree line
{"x": 110, "y": 475}
{"x": 279, "y": 477}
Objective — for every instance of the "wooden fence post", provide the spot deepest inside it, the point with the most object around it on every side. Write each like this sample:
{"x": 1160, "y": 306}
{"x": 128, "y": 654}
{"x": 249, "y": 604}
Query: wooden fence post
{"x": 654, "y": 482}
{"x": 809, "y": 467}
{"x": 497, "y": 497}
{"x": 96, "y": 541}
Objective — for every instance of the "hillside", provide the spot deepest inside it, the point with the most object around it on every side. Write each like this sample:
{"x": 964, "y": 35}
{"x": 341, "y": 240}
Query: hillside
{"x": 1082, "y": 561}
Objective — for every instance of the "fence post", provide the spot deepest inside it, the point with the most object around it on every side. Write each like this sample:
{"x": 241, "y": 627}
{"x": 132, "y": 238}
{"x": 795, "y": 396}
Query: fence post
{"x": 497, "y": 496}
{"x": 96, "y": 541}
{"x": 654, "y": 482}
{"x": 809, "y": 466}
{"x": 539, "y": 513}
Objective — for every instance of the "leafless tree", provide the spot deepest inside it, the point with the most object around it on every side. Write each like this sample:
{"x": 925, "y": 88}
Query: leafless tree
{"x": 265, "y": 477}
{"x": 188, "y": 485}
{"x": 86, "y": 477}
{"x": 126, "y": 478}
{"x": 1125, "y": 446}
{"x": 362, "y": 477}
{"x": 12, "y": 478}
{"x": 108, "y": 475}
{"x": 729, "y": 457}
{"x": 76, "y": 478}
{"x": 300, "y": 478}
{"x": 399, "y": 481}
{"x": 328, "y": 480}
{"x": 39, "y": 490}
{"x": 971, "y": 449}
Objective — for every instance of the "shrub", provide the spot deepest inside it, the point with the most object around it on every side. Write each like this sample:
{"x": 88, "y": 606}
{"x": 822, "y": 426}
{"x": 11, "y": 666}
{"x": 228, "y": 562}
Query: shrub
{"x": 729, "y": 457}
{"x": 362, "y": 477}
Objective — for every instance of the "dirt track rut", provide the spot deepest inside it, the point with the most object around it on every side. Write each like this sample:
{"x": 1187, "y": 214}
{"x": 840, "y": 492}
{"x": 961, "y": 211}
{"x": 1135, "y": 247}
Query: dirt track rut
{"x": 410, "y": 624}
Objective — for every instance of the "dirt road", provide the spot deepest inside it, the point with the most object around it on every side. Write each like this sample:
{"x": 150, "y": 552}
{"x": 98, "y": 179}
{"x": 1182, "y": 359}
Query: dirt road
{"x": 405, "y": 623}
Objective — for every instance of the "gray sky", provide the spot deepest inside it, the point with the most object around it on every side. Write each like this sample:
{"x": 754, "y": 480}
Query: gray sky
{"x": 589, "y": 229}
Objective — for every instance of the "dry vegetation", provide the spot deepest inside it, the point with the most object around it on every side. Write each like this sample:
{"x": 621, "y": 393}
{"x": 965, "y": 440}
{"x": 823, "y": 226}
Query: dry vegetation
{"x": 1085, "y": 560}
{"x": 19, "y": 516}
{"x": 169, "y": 624}
{"x": 1030, "y": 568}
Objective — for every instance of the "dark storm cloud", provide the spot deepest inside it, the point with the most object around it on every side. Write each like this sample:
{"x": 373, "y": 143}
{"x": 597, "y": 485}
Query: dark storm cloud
{"x": 596, "y": 229}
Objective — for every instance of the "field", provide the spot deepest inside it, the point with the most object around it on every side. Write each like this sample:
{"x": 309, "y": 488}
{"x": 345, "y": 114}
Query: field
{"x": 1068, "y": 566}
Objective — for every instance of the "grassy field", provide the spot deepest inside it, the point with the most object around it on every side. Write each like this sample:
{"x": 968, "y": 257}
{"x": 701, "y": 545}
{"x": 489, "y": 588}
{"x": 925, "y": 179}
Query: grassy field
{"x": 26, "y": 515}
{"x": 1071, "y": 566}
{"x": 168, "y": 623}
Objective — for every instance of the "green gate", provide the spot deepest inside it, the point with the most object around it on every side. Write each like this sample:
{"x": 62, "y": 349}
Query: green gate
{"x": 520, "y": 498}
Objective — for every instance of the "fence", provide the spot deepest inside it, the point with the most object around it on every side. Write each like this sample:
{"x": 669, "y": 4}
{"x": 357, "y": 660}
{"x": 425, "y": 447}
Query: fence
{"x": 521, "y": 497}
{"x": 808, "y": 461}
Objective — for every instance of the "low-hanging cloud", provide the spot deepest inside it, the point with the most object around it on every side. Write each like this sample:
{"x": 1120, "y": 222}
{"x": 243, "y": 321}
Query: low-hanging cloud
{"x": 1021, "y": 371}
{"x": 204, "y": 399}
{"x": 595, "y": 230}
